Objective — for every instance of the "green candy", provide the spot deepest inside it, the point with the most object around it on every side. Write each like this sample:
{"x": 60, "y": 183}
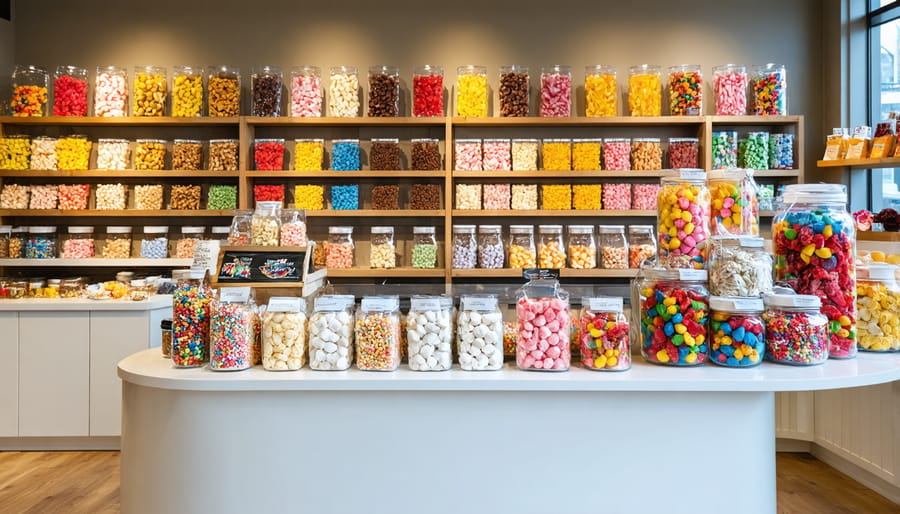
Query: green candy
{"x": 677, "y": 339}
{"x": 697, "y": 306}
{"x": 834, "y": 326}
{"x": 661, "y": 309}
{"x": 424, "y": 256}
{"x": 222, "y": 197}
{"x": 790, "y": 233}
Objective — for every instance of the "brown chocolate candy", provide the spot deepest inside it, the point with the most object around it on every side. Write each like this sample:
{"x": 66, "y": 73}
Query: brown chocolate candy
{"x": 386, "y": 198}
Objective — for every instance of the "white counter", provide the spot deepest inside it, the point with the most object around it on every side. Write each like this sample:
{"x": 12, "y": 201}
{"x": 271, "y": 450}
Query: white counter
{"x": 493, "y": 442}
{"x": 159, "y": 301}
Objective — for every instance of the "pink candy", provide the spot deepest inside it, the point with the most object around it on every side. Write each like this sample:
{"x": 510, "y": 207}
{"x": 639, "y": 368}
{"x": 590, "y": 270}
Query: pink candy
{"x": 468, "y": 155}
{"x": 731, "y": 93}
{"x": 496, "y": 155}
{"x": 556, "y": 94}
{"x": 110, "y": 95}
{"x": 293, "y": 234}
{"x": 543, "y": 334}
{"x": 306, "y": 96}
{"x": 78, "y": 248}
{"x": 645, "y": 196}
{"x": 496, "y": 197}
{"x": 617, "y": 155}
{"x": 617, "y": 196}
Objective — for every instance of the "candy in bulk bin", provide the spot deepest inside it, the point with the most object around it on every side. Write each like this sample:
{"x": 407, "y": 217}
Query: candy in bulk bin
{"x": 112, "y": 154}
{"x": 221, "y": 197}
{"x": 490, "y": 247}
{"x": 223, "y": 155}
{"x": 149, "y": 91}
{"x": 641, "y": 245}
{"x": 496, "y": 155}
{"x": 551, "y": 250}
{"x": 602, "y": 334}
{"x": 43, "y": 153}
{"x": 110, "y": 91}
{"x": 644, "y": 90}
{"x": 471, "y": 91}
{"x": 496, "y": 197}
{"x": 187, "y": 154}
{"x": 185, "y": 246}
{"x": 117, "y": 244}
{"x": 223, "y": 91}
{"x": 587, "y": 196}
{"x": 187, "y": 91}
{"x": 510, "y": 337}
{"x": 345, "y": 198}
{"x": 513, "y": 91}
{"x": 646, "y": 196}
{"x": 79, "y": 243}
{"x": 425, "y": 197}
{"x": 339, "y": 248}
{"x": 736, "y": 325}
{"x": 556, "y": 91}
{"x": 582, "y": 249}
{"x": 600, "y": 91}
{"x": 306, "y": 91}
{"x": 524, "y": 197}
{"x": 739, "y": 266}
{"x": 231, "y": 330}
{"x": 331, "y": 331}
{"x": 241, "y": 228}
{"x": 345, "y": 155}
{"x": 756, "y": 151}
{"x": 878, "y": 305}
{"x": 265, "y": 91}
{"x": 425, "y": 155}
{"x": 429, "y": 334}
{"x": 814, "y": 242}
{"x": 29, "y": 91}
{"x": 734, "y": 205}
{"x": 149, "y": 154}
{"x": 542, "y": 314}
{"x": 384, "y": 91}
{"x": 646, "y": 154}
{"x": 5, "y": 231}
{"x": 386, "y": 198}
{"x": 44, "y": 197}
{"x": 428, "y": 91}
{"x": 14, "y": 196}
{"x": 724, "y": 149}
{"x": 730, "y": 89}
{"x": 685, "y": 90}
{"x": 378, "y": 333}
{"x": 310, "y": 197}
{"x": 796, "y": 331}
{"x": 468, "y": 196}
{"x": 382, "y": 252}
{"x": 284, "y": 334}
{"x": 15, "y": 152}
{"x": 424, "y": 250}
{"x": 557, "y": 154}
{"x": 185, "y": 197}
{"x": 70, "y": 91}
{"x": 613, "y": 247}
{"x": 309, "y": 154}
{"x": 479, "y": 333}
{"x": 268, "y": 193}
{"x": 768, "y": 89}
{"x": 586, "y": 154}
{"x": 268, "y": 154}
{"x": 683, "y": 220}
{"x": 190, "y": 319}
{"x": 684, "y": 152}
{"x": 73, "y": 152}
{"x": 384, "y": 154}
{"x": 17, "y": 241}
{"x": 673, "y": 311}
{"x": 293, "y": 227}
{"x": 343, "y": 92}
{"x": 524, "y": 154}
{"x": 556, "y": 197}
{"x": 265, "y": 226}
{"x": 617, "y": 154}
{"x": 465, "y": 247}
{"x": 148, "y": 197}
{"x": 155, "y": 243}
{"x": 617, "y": 196}
{"x": 468, "y": 155}
{"x": 781, "y": 151}
{"x": 522, "y": 250}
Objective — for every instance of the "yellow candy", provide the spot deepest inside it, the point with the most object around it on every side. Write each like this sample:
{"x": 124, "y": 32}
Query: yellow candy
{"x": 644, "y": 95}
{"x": 600, "y": 362}
{"x": 893, "y": 259}
{"x": 689, "y": 340}
{"x": 738, "y": 354}
{"x": 828, "y": 231}
{"x": 308, "y": 155}
{"x": 309, "y": 197}
{"x": 586, "y": 155}
{"x": 600, "y": 93}
{"x": 680, "y": 328}
{"x": 844, "y": 321}
{"x": 690, "y": 358}
{"x": 471, "y": 96}
{"x": 586, "y": 196}
{"x": 556, "y": 197}
{"x": 662, "y": 356}
{"x": 149, "y": 94}
{"x": 721, "y": 316}
{"x": 14, "y": 153}
{"x": 187, "y": 95}
{"x": 700, "y": 338}
{"x": 670, "y": 301}
{"x": 73, "y": 153}
{"x": 521, "y": 257}
{"x": 608, "y": 353}
{"x": 823, "y": 253}
{"x": 611, "y": 362}
{"x": 557, "y": 156}
{"x": 595, "y": 333}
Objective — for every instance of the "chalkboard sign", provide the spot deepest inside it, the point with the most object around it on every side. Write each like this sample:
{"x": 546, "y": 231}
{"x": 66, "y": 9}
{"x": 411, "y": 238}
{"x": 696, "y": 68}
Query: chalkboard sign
{"x": 245, "y": 264}
{"x": 540, "y": 273}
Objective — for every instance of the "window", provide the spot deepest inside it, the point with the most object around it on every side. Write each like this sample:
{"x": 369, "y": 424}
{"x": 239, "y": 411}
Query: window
{"x": 884, "y": 87}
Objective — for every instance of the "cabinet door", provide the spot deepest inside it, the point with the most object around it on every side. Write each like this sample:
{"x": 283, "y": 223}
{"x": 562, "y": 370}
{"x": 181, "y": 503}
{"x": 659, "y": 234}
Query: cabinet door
{"x": 9, "y": 374}
{"x": 54, "y": 355}
{"x": 114, "y": 336}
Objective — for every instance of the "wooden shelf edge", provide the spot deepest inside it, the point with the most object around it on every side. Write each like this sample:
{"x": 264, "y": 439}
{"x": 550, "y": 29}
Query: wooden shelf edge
{"x": 392, "y": 272}
{"x": 329, "y": 120}
{"x": 885, "y": 162}
{"x": 361, "y": 213}
{"x": 555, "y": 213}
{"x": 120, "y": 120}
{"x": 558, "y": 174}
{"x": 754, "y": 120}
{"x": 127, "y": 213}
{"x": 878, "y": 236}
{"x": 564, "y": 273}
{"x": 330, "y": 174}
{"x": 580, "y": 120}
{"x": 97, "y": 262}
{"x": 112, "y": 174}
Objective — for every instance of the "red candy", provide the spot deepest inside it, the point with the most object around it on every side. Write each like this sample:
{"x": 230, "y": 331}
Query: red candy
{"x": 428, "y": 95}
{"x": 264, "y": 193}
{"x": 69, "y": 96}
{"x": 269, "y": 155}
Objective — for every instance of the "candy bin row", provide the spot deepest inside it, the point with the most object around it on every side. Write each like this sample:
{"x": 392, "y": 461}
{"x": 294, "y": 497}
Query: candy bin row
{"x": 124, "y": 288}
{"x": 623, "y": 196}
{"x": 113, "y": 197}
{"x": 347, "y": 155}
{"x": 758, "y": 150}
{"x": 312, "y": 197}
{"x": 383, "y": 249}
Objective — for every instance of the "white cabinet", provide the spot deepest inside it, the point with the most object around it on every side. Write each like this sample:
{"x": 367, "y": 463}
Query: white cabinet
{"x": 9, "y": 374}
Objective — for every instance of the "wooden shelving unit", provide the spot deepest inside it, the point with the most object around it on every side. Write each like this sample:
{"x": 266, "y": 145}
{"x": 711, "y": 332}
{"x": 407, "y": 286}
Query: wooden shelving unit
{"x": 884, "y": 162}
{"x": 135, "y": 262}
{"x": 564, "y": 273}
{"x": 464, "y": 213}
{"x": 370, "y": 213}
{"x": 127, "y": 213}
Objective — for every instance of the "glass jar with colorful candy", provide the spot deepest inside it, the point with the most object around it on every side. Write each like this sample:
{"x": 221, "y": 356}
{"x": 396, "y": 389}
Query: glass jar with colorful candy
{"x": 513, "y": 91}
{"x": 231, "y": 333}
{"x": 600, "y": 91}
{"x": 734, "y": 207}
{"x": 814, "y": 241}
{"x": 738, "y": 336}
{"x": 768, "y": 89}
{"x": 29, "y": 91}
{"x": 878, "y": 307}
{"x": 644, "y": 90}
{"x": 603, "y": 334}
{"x": 730, "y": 88}
{"x": 378, "y": 333}
{"x": 70, "y": 91}
{"x": 428, "y": 90}
{"x": 190, "y": 319}
{"x": 673, "y": 309}
{"x": 556, "y": 91}
{"x": 683, "y": 220}
{"x": 685, "y": 90}
{"x": 543, "y": 325}
{"x": 796, "y": 331}
{"x": 41, "y": 243}
{"x": 471, "y": 91}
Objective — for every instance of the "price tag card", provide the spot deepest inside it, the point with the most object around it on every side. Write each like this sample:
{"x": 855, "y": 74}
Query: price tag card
{"x": 604, "y": 304}
{"x": 380, "y": 303}
{"x": 425, "y": 303}
{"x": 285, "y": 304}
{"x": 692, "y": 274}
{"x": 333, "y": 302}
{"x": 540, "y": 273}
{"x": 479, "y": 303}
{"x": 234, "y": 294}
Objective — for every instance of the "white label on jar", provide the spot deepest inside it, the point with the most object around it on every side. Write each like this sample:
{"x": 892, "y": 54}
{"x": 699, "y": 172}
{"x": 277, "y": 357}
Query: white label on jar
{"x": 425, "y": 304}
{"x": 206, "y": 253}
{"x": 234, "y": 294}
{"x": 479, "y": 303}
{"x": 747, "y": 304}
{"x": 605, "y": 304}
{"x": 805, "y": 301}
{"x": 284, "y": 304}
{"x": 691, "y": 174}
{"x": 370, "y": 304}
{"x": 332, "y": 302}
{"x": 692, "y": 274}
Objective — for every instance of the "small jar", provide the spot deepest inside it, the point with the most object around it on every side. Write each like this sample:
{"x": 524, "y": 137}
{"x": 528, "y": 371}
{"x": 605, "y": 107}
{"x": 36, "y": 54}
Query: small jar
{"x": 190, "y": 236}
{"x": 471, "y": 91}
{"x": 309, "y": 154}
{"x": 551, "y": 250}
{"x": 738, "y": 335}
{"x": 73, "y": 287}
{"x": 17, "y": 242}
{"x": 603, "y": 334}
{"x": 796, "y": 330}
{"x": 265, "y": 89}
{"x": 685, "y": 90}
{"x": 557, "y": 154}
{"x": 384, "y": 154}
{"x": 556, "y": 91}
{"x": 17, "y": 289}
{"x": 265, "y": 225}
{"x": 155, "y": 243}
{"x": 223, "y": 155}
{"x": 187, "y": 154}
{"x": 187, "y": 91}
{"x": 465, "y": 247}
{"x": 339, "y": 248}
{"x": 41, "y": 243}
{"x": 878, "y": 308}
{"x": 231, "y": 335}
{"x": 424, "y": 250}
{"x": 724, "y": 149}
{"x": 641, "y": 244}
{"x": 5, "y": 231}
{"x": 428, "y": 91}
{"x": 684, "y": 152}
{"x": 768, "y": 89}
{"x": 149, "y": 91}
{"x": 739, "y": 266}
{"x": 525, "y": 154}
{"x": 468, "y": 155}
{"x": 479, "y": 319}
{"x": 150, "y": 154}
{"x": 730, "y": 89}
{"x": 70, "y": 87}
{"x": 617, "y": 154}
{"x": 382, "y": 252}
{"x": 268, "y": 154}
{"x": 644, "y": 90}
{"x": 306, "y": 91}
{"x": 601, "y": 91}
{"x": 345, "y": 155}
{"x": 378, "y": 333}
{"x": 79, "y": 243}
{"x": 343, "y": 92}
{"x": 35, "y": 288}
{"x": 429, "y": 333}
{"x": 384, "y": 91}
{"x": 425, "y": 155}
{"x": 241, "y": 228}
{"x": 683, "y": 220}
{"x": 223, "y": 91}
{"x": 293, "y": 227}
{"x": 111, "y": 92}
{"x": 165, "y": 327}
{"x": 646, "y": 154}
{"x": 522, "y": 250}
{"x": 677, "y": 338}
{"x": 514, "y": 91}
{"x": 112, "y": 154}
{"x": 613, "y": 247}
{"x": 582, "y": 249}
{"x": 117, "y": 244}
{"x": 490, "y": 247}
{"x": 29, "y": 91}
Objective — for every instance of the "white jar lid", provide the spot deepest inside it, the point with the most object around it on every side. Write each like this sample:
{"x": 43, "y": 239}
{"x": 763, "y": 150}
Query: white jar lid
{"x": 156, "y": 230}
{"x": 735, "y": 304}
{"x": 793, "y": 300}
{"x": 340, "y": 230}
{"x": 41, "y": 230}
{"x": 5, "y": 229}
{"x": 423, "y": 230}
{"x": 463, "y": 229}
{"x": 382, "y": 230}
{"x": 118, "y": 230}
{"x": 521, "y": 229}
{"x": 81, "y": 230}
{"x": 220, "y": 230}
{"x": 489, "y": 228}
{"x": 192, "y": 230}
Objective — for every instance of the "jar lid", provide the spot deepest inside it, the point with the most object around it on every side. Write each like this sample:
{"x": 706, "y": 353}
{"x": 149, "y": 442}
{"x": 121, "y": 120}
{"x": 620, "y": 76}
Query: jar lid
{"x": 156, "y": 230}
{"x": 5, "y": 229}
{"x": 192, "y": 230}
{"x": 179, "y": 274}
{"x": 815, "y": 193}
{"x": 220, "y": 230}
{"x": 118, "y": 230}
{"x": 380, "y": 303}
{"x": 557, "y": 140}
{"x": 81, "y": 230}
{"x": 310, "y": 140}
{"x": 640, "y": 228}
{"x": 880, "y": 271}
{"x": 382, "y": 230}
{"x": 340, "y": 230}
{"x": 20, "y": 229}
{"x": 195, "y": 274}
{"x": 611, "y": 229}
{"x": 423, "y": 230}
{"x": 806, "y": 301}
{"x": 581, "y": 229}
{"x": 144, "y": 141}
{"x": 331, "y": 302}
{"x": 385, "y": 140}
{"x": 138, "y": 282}
{"x": 645, "y": 140}
{"x": 744, "y": 241}
{"x": 611, "y": 140}
{"x": 345, "y": 141}
{"x": 424, "y": 140}
{"x": 268, "y": 205}
{"x": 222, "y": 141}
{"x": 41, "y": 230}
{"x": 521, "y": 229}
{"x": 550, "y": 228}
{"x": 112, "y": 140}
{"x": 686, "y": 275}
{"x": 497, "y": 141}
{"x": 526, "y": 140}
{"x": 602, "y": 303}
{"x": 463, "y": 229}
{"x": 166, "y": 324}
{"x": 468, "y": 141}
{"x": 596, "y": 140}
{"x": 683, "y": 140}
{"x": 125, "y": 275}
{"x": 188, "y": 142}
{"x": 269, "y": 140}
{"x": 735, "y": 304}
{"x": 489, "y": 228}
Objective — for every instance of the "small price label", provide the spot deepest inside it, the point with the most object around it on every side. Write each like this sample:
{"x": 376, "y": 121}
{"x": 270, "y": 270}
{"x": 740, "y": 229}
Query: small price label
{"x": 380, "y": 303}
{"x": 806, "y": 301}
{"x": 234, "y": 294}
{"x": 691, "y": 174}
{"x": 747, "y": 304}
{"x": 285, "y": 304}
{"x": 540, "y": 274}
{"x": 429, "y": 303}
{"x": 692, "y": 274}
{"x": 332, "y": 302}
{"x": 479, "y": 303}
{"x": 205, "y": 255}
{"x": 605, "y": 304}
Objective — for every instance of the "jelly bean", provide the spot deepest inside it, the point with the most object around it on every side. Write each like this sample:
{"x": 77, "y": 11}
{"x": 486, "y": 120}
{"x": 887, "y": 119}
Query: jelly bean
{"x": 685, "y": 91}
{"x": 646, "y": 154}
{"x": 603, "y": 340}
{"x": 730, "y": 88}
{"x": 268, "y": 193}
{"x": 557, "y": 154}
{"x": 222, "y": 197}
{"x": 345, "y": 155}
{"x": 556, "y": 92}
{"x": 684, "y": 153}
{"x": 644, "y": 94}
{"x": 524, "y": 154}
{"x": 735, "y": 209}
{"x": 496, "y": 155}
{"x": 556, "y": 197}
{"x": 310, "y": 197}
{"x": 428, "y": 93}
{"x": 617, "y": 196}
{"x": 665, "y": 341}
{"x": 617, "y": 155}
{"x": 645, "y": 196}
{"x": 542, "y": 343}
{"x": 524, "y": 197}
{"x": 268, "y": 154}
{"x": 795, "y": 337}
{"x": 468, "y": 155}
{"x": 683, "y": 224}
{"x": 496, "y": 196}
{"x": 345, "y": 197}
{"x": 586, "y": 155}
{"x": 306, "y": 95}
{"x": 724, "y": 149}
{"x": 600, "y": 92}
{"x": 70, "y": 96}
{"x": 471, "y": 93}
{"x": 768, "y": 89}
{"x": 586, "y": 196}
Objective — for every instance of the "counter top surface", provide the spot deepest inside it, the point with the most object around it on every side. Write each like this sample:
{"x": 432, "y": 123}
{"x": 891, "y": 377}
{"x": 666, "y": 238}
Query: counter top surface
{"x": 148, "y": 368}
{"x": 159, "y": 301}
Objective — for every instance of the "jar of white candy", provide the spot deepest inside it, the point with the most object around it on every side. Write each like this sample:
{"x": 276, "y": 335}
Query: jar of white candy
{"x": 284, "y": 334}
{"x": 378, "y": 333}
{"x": 479, "y": 333}
{"x": 265, "y": 226}
{"x": 331, "y": 333}
{"x": 428, "y": 332}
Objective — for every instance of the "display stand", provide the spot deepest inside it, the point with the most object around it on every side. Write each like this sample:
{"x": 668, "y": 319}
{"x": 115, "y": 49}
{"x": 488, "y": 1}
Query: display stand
{"x": 293, "y": 262}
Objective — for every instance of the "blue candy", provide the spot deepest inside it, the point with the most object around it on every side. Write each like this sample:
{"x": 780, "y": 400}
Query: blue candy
{"x": 345, "y": 156}
{"x": 702, "y": 348}
{"x": 731, "y": 361}
{"x": 725, "y": 328}
{"x": 669, "y": 329}
{"x": 727, "y": 349}
{"x": 344, "y": 198}
{"x": 683, "y": 350}
{"x": 750, "y": 339}
{"x": 738, "y": 334}
{"x": 677, "y": 318}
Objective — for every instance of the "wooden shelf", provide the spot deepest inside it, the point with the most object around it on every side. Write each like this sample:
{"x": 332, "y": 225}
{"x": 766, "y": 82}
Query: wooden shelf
{"x": 128, "y": 213}
{"x": 885, "y": 162}
{"x": 260, "y": 248}
{"x": 766, "y": 213}
{"x": 371, "y": 213}
{"x": 287, "y": 121}
{"x": 621, "y": 121}
{"x": 343, "y": 174}
{"x": 130, "y": 121}
{"x": 465, "y": 213}
{"x": 892, "y": 237}
{"x": 386, "y": 273}
{"x": 564, "y": 273}
{"x": 112, "y": 174}
{"x": 776, "y": 173}
{"x": 754, "y": 120}
{"x": 136, "y": 262}
{"x": 557, "y": 174}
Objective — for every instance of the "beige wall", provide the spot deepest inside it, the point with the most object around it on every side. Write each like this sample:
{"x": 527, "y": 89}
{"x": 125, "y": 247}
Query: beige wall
{"x": 7, "y": 56}
{"x": 406, "y": 33}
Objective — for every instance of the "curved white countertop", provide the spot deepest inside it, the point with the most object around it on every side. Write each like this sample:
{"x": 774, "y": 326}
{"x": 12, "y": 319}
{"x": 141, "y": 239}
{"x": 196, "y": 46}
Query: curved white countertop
{"x": 82, "y": 304}
{"x": 148, "y": 368}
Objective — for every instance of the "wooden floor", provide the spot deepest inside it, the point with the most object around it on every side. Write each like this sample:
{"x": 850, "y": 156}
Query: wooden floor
{"x": 88, "y": 482}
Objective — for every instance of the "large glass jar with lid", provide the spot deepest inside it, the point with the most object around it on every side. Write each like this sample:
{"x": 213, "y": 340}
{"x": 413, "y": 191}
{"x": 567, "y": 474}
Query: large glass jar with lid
{"x": 265, "y": 226}
{"x": 29, "y": 91}
{"x": 490, "y": 247}
{"x": 878, "y": 308}
{"x": 465, "y": 247}
{"x": 190, "y": 320}
{"x": 522, "y": 250}
{"x": 673, "y": 311}
{"x": 613, "y": 247}
{"x": 796, "y": 329}
{"x": 683, "y": 220}
{"x": 641, "y": 244}
{"x": 737, "y": 331}
{"x": 739, "y": 266}
{"x": 582, "y": 248}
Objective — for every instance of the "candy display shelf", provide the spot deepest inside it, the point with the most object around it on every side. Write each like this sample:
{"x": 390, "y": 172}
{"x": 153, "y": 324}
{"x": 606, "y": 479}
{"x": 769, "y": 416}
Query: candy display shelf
{"x": 371, "y": 213}
{"x": 557, "y": 174}
{"x": 564, "y": 273}
{"x": 573, "y": 213}
{"x": 126, "y": 213}
{"x": 884, "y": 162}
{"x": 616, "y": 121}
{"x": 404, "y": 272}
{"x": 341, "y": 175}
{"x": 116, "y": 174}
{"x": 878, "y": 236}
{"x": 127, "y": 121}
{"x": 328, "y": 121}
{"x": 136, "y": 262}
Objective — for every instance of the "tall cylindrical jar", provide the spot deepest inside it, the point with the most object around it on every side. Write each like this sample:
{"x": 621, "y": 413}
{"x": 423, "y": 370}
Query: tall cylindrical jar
{"x": 149, "y": 91}
{"x": 331, "y": 333}
{"x": 683, "y": 220}
{"x": 187, "y": 91}
{"x": 70, "y": 91}
{"x": 471, "y": 91}
{"x": 814, "y": 241}
{"x": 878, "y": 305}
{"x": 110, "y": 92}
{"x": 685, "y": 90}
{"x": 378, "y": 333}
{"x": 384, "y": 91}
{"x": 514, "y": 91}
{"x": 479, "y": 333}
{"x": 768, "y": 89}
{"x": 265, "y": 91}
{"x": 232, "y": 333}
{"x": 556, "y": 91}
{"x": 428, "y": 91}
{"x": 490, "y": 247}
{"x": 30, "y": 85}
{"x": 223, "y": 91}
{"x": 601, "y": 91}
{"x": 190, "y": 320}
{"x": 730, "y": 89}
{"x": 673, "y": 311}
{"x": 644, "y": 90}
{"x": 306, "y": 91}
{"x": 343, "y": 92}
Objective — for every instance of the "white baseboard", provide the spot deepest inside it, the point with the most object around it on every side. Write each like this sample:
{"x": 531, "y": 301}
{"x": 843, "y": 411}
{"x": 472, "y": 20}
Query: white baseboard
{"x": 791, "y": 445}
{"x": 863, "y": 476}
